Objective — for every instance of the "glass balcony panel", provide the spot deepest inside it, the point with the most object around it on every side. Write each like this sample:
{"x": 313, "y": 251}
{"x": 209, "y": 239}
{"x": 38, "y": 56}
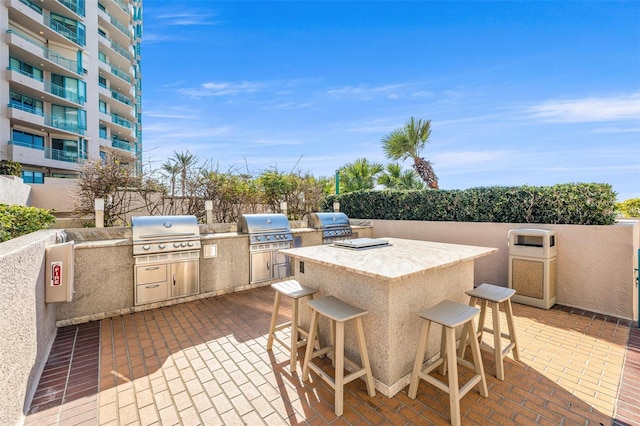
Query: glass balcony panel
{"x": 32, "y": 5}
{"x": 121, "y": 145}
{"x": 76, "y": 6}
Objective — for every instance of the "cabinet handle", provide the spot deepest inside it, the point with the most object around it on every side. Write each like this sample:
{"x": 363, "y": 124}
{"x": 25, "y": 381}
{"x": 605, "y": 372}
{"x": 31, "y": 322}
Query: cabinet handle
{"x": 152, "y": 268}
{"x": 268, "y": 265}
{"x": 152, "y": 286}
{"x": 174, "y": 279}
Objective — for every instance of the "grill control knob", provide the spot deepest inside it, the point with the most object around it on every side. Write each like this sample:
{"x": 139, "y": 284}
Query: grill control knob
{"x": 190, "y": 244}
{"x": 161, "y": 246}
{"x": 183, "y": 244}
{"x": 176, "y": 245}
{"x": 146, "y": 247}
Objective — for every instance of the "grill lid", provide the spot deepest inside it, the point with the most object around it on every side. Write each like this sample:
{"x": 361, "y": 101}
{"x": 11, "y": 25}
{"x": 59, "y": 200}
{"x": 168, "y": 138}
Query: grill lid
{"x": 328, "y": 220}
{"x": 263, "y": 224}
{"x": 154, "y": 228}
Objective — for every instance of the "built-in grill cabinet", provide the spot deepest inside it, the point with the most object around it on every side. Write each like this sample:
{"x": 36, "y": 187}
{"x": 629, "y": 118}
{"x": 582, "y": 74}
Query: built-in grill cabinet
{"x": 166, "y": 257}
{"x": 268, "y": 233}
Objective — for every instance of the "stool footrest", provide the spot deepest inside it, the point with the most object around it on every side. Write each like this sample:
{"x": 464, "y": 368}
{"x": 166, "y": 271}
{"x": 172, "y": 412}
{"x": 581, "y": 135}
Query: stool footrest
{"x": 321, "y": 352}
{"x": 283, "y": 326}
{"x": 435, "y": 382}
{"x": 506, "y": 350}
{"x": 469, "y": 385}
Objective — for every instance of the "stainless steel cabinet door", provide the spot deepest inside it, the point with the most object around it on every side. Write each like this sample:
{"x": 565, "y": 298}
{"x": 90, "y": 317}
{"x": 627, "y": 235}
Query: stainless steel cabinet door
{"x": 261, "y": 264}
{"x": 184, "y": 278}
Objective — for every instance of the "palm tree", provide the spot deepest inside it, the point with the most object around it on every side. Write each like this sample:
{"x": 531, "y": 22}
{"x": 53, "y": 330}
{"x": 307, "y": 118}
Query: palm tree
{"x": 407, "y": 142}
{"x": 172, "y": 170}
{"x": 184, "y": 161}
{"x": 396, "y": 178}
{"x": 359, "y": 175}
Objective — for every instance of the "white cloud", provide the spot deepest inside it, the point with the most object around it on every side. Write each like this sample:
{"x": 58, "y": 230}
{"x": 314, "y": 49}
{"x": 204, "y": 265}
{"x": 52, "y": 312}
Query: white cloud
{"x": 616, "y": 130}
{"x": 289, "y": 106}
{"x": 221, "y": 89}
{"x": 614, "y": 108}
{"x": 366, "y": 92}
{"x": 188, "y": 18}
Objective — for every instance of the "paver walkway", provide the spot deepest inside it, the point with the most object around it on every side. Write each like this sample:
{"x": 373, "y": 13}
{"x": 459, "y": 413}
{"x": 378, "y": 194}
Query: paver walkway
{"x": 205, "y": 362}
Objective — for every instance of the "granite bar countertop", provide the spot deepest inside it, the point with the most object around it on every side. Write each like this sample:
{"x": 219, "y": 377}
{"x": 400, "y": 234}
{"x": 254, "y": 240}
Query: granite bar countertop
{"x": 399, "y": 260}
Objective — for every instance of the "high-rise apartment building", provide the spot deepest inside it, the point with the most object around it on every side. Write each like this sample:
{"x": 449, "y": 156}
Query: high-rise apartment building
{"x": 69, "y": 84}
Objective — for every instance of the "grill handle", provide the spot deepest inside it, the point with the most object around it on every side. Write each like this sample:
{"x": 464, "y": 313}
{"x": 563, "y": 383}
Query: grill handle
{"x": 166, "y": 236}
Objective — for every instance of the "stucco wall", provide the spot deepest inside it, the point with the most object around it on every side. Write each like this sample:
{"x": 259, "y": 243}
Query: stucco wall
{"x": 56, "y": 193}
{"x": 13, "y": 191}
{"x": 595, "y": 263}
{"x": 27, "y": 326}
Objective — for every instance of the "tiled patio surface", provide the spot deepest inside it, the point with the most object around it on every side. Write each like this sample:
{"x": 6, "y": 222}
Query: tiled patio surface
{"x": 205, "y": 362}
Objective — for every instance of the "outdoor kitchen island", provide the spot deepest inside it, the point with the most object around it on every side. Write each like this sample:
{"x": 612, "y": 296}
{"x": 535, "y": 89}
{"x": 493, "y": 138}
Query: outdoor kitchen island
{"x": 392, "y": 282}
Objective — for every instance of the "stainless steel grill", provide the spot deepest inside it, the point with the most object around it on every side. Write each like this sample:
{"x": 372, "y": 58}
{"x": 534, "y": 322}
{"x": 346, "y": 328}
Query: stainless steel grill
{"x": 166, "y": 253}
{"x": 162, "y": 234}
{"x": 335, "y": 226}
{"x": 268, "y": 233}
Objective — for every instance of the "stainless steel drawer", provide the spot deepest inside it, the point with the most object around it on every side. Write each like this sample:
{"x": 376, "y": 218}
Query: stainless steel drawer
{"x": 151, "y": 274}
{"x": 147, "y": 293}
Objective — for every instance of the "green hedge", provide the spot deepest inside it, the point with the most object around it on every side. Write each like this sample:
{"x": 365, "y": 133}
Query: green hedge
{"x": 19, "y": 220}
{"x": 578, "y": 204}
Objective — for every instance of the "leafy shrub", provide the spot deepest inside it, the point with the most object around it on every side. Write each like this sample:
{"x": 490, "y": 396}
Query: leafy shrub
{"x": 629, "y": 208}
{"x": 19, "y": 220}
{"x": 10, "y": 168}
{"x": 578, "y": 204}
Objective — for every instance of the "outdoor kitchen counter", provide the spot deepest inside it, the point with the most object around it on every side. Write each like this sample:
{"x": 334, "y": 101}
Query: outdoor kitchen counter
{"x": 391, "y": 282}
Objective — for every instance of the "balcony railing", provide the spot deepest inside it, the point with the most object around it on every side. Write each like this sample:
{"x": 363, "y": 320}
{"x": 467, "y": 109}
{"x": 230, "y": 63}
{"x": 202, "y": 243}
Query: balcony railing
{"x": 61, "y": 155}
{"x": 63, "y": 93}
{"x": 54, "y": 89}
{"x": 121, "y": 50}
{"x": 75, "y": 6}
{"x": 26, "y": 145}
{"x": 32, "y": 5}
{"x": 121, "y": 121}
{"x": 50, "y": 54}
{"x": 62, "y": 30}
{"x": 119, "y": 25}
{"x": 26, "y": 74}
{"x": 122, "y": 5}
{"x": 53, "y": 121}
{"x": 54, "y": 154}
{"x": 119, "y": 73}
{"x": 27, "y": 108}
{"x": 119, "y": 97}
{"x": 121, "y": 145}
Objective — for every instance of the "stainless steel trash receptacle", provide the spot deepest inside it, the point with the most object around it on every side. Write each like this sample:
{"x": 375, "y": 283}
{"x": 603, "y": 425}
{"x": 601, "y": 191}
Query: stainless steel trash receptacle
{"x": 533, "y": 265}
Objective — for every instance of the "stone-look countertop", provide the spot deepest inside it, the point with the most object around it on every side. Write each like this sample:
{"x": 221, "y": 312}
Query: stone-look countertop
{"x": 400, "y": 260}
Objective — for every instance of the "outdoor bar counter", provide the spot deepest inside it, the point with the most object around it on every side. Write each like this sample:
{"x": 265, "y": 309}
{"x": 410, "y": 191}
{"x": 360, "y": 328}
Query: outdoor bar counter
{"x": 392, "y": 282}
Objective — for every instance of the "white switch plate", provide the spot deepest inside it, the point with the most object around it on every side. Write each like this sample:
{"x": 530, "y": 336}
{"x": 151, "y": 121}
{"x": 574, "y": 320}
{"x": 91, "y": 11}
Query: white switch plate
{"x": 211, "y": 250}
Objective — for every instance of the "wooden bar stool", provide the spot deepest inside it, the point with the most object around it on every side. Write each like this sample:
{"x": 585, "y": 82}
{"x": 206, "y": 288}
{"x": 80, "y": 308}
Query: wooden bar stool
{"x": 450, "y": 315}
{"x": 296, "y": 291}
{"x": 493, "y": 296}
{"x": 338, "y": 312}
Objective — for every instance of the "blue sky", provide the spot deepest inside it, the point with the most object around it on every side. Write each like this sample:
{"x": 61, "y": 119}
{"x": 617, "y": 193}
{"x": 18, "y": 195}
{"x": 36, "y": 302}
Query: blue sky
{"x": 518, "y": 93}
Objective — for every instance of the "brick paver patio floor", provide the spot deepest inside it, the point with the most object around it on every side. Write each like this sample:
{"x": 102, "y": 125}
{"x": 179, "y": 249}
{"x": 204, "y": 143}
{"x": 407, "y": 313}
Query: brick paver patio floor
{"x": 205, "y": 362}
